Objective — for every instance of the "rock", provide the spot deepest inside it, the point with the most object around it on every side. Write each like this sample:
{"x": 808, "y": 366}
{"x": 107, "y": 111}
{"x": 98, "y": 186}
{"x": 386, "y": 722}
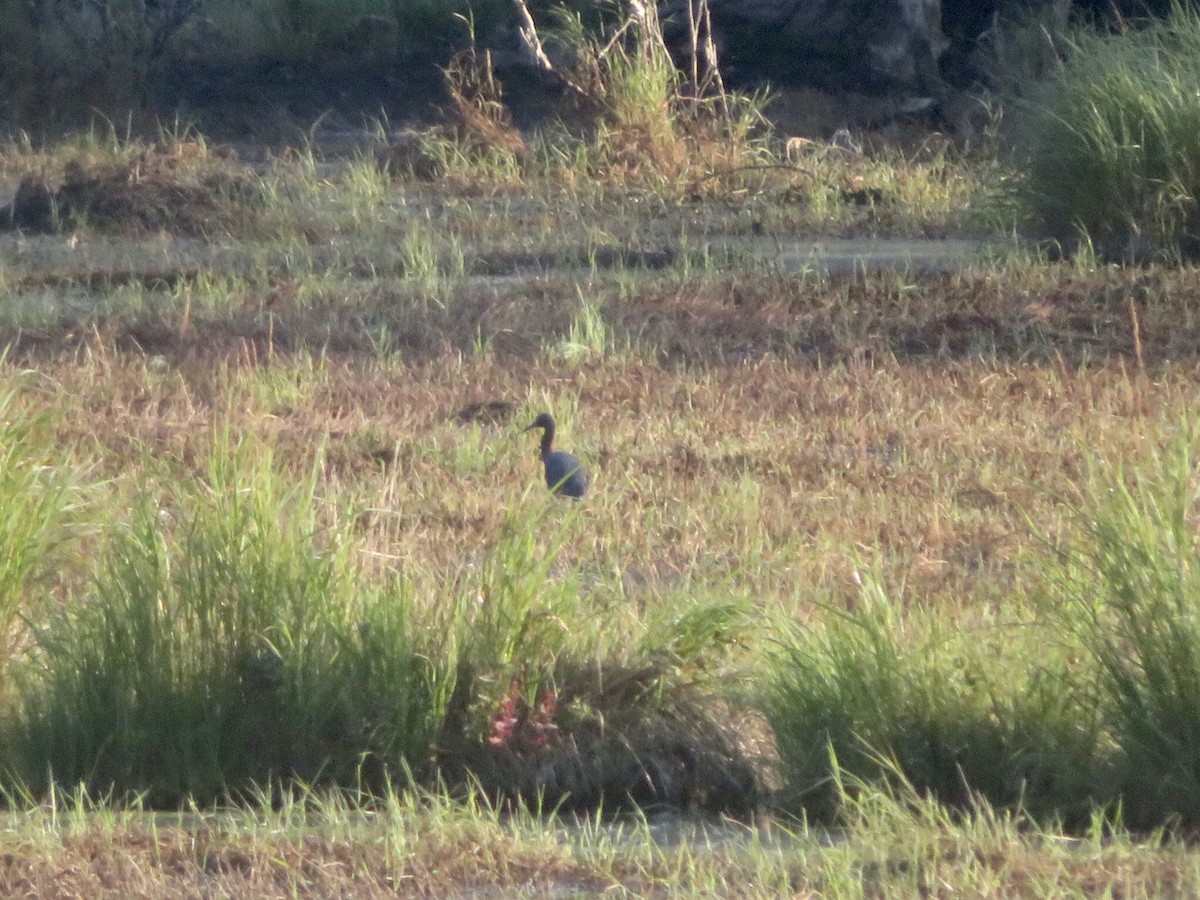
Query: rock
{"x": 33, "y": 207}
{"x": 875, "y": 45}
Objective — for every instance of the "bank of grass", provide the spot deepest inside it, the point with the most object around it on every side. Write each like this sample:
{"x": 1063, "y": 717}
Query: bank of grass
{"x": 637, "y": 128}
{"x": 635, "y": 135}
{"x": 727, "y": 497}
{"x": 897, "y": 844}
{"x": 1107, "y": 144}
{"x": 227, "y": 644}
{"x": 1083, "y": 702}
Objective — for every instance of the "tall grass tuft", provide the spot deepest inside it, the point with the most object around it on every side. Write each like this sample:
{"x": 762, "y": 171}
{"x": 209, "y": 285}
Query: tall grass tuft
{"x": 38, "y": 498}
{"x": 656, "y": 124}
{"x": 589, "y": 337}
{"x": 548, "y": 711}
{"x": 652, "y": 125}
{"x": 1129, "y": 591}
{"x": 880, "y": 692}
{"x": 1110, "y": 146}
{"x": 509, "y": 623}
{"x": 223, "y": 648}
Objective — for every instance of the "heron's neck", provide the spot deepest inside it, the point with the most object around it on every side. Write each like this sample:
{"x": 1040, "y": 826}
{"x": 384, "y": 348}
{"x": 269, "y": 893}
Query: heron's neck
{"x": 547, "y": 439}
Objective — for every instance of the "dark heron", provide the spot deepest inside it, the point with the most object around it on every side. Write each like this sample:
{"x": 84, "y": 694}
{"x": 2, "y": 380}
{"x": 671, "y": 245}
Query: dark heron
{"x": 564, "y": 473}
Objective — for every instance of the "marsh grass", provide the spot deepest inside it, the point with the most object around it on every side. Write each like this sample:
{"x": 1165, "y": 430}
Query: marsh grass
{"x": 588, "y": 337}
{"x": 433, "y": 262}
{"x": 388, "y": 594}
{"x": 220, "y": 649}
{"x": 41, "y": 503}
{"x": 646, "y": 125}
{"x": 733, "y": 497}
{"x": 559, "y": 702}
{"x": 968, "y": 714}
{"x": 1109, "y": 143}
{"x": 1081, "y": 708}
{"x": 322, "y": 842}
{"x": 1126, "y": 590}
{"x": 656, "y": 124}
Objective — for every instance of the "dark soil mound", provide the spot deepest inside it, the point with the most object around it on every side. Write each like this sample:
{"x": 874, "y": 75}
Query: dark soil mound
{"x": 184, "y": 189}
{"x": 608, "y": 740}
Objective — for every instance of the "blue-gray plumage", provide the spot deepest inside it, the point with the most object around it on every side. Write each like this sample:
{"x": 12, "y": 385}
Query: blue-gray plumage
{"x": 564, "y": 473}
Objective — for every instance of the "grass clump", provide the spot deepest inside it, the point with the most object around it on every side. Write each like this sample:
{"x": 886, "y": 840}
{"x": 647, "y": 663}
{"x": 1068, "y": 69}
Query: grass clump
{"x": 647, "y": 123}
{"x": 883, "y": 696}
{"x": 38, "y": 500}
{"x": 1110, "y": 146}
{"x": 1088, "y": 709}
{"x": 221, "y": 648}
{"x": 550, "y": 711}
{"x": 1128, "y": 590}
{"x": 657, "y": 125}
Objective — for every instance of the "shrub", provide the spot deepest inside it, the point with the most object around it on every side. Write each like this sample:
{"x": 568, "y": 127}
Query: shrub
{"x": 108, "y": 50}
{"x": 877, "y": 693}
{"x": 1110, "y": 147}
{"x": 1128, "y": 589}
{"x": 222, "y": 649}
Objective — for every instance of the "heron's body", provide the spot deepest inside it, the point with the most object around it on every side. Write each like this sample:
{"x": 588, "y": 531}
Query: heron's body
{"x": 564, "y": 473}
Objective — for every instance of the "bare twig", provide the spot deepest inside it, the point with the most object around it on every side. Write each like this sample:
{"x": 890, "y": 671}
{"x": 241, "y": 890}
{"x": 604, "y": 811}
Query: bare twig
{"x": 637, "y": 14}
{"x": 536, "y": 52}
{"x": 530, "y": 39}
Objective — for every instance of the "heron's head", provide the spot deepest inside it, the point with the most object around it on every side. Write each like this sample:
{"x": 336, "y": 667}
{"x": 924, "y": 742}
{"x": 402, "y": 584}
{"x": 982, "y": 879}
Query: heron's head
{"x": 544, "y": 421}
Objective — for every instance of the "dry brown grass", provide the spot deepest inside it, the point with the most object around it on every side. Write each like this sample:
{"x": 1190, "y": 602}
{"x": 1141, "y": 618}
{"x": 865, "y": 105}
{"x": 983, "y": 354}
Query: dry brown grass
{"x": 792, "y": 425}
{"x": 227, "y": 856}
{"x": 432, "y": 851}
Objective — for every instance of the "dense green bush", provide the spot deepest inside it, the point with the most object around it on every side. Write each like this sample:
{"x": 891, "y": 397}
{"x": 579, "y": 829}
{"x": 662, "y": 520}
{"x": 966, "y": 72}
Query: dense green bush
{"x": 1109, "y": 148}
{"x": 225, "y": 646}
{"x": 1129, "y": 591}
{"x": 880, "y": 691}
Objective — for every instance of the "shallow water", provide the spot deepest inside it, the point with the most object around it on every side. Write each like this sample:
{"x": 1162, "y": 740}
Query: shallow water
{"x": 68, "y": 255}
{"x": 670, "y": 829}
{"x": 847, "y": 256}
